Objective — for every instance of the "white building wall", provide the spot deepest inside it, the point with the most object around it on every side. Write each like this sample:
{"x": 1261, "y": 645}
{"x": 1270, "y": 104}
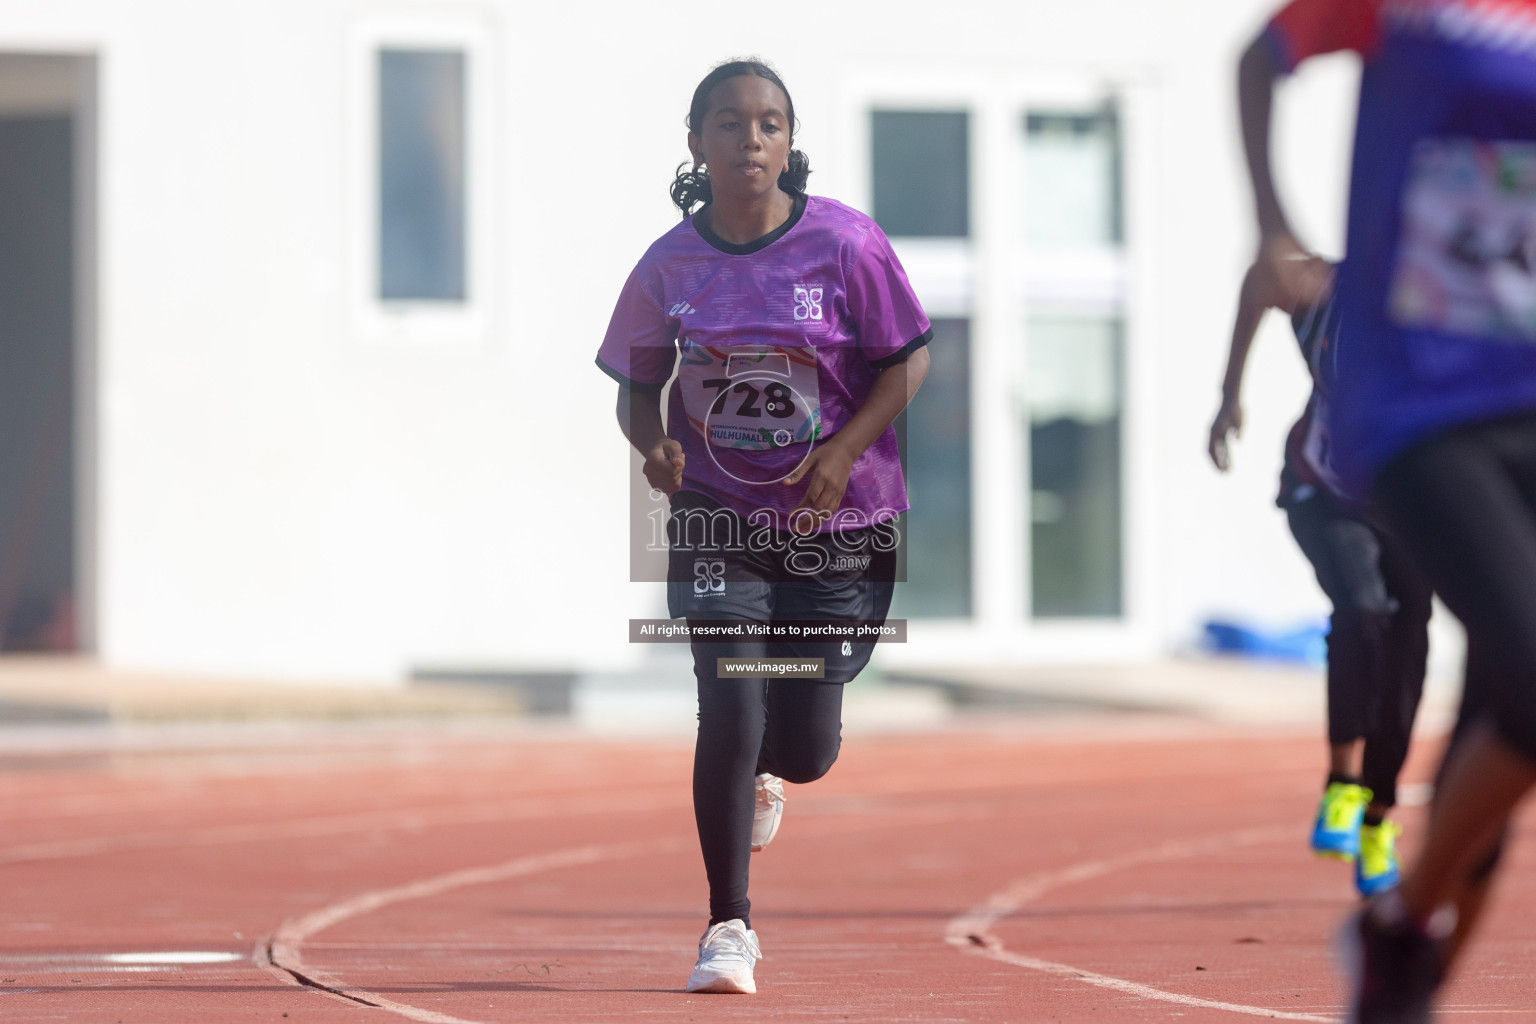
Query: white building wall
{"x": 284, "y": 493}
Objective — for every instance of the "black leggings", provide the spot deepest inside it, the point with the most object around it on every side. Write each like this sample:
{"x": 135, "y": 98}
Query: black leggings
{"x": 791, "y": 728}
{"x": 1465, "y": 505}
{"x": 1378, "y": 638}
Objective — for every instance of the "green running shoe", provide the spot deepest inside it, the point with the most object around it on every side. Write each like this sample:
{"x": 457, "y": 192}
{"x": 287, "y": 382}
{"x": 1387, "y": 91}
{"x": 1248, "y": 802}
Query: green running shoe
{"x": 1337, "y": 830}
{"x": 1378, "y": 869}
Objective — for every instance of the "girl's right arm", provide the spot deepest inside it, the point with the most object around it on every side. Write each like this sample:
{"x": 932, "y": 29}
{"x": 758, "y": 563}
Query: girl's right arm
{"x": 639, "y": 415}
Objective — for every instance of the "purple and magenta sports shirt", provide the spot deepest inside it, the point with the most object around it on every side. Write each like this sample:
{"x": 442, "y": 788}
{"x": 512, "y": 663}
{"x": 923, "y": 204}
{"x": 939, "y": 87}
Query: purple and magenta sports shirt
{"x": 776, "y": 344}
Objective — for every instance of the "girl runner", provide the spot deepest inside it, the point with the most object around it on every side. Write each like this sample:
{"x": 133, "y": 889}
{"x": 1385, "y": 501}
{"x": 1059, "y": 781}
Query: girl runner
{"x": 1378, "y": 638}
{"x": 800, "y": 341}
{"x": 1433, "y": 401}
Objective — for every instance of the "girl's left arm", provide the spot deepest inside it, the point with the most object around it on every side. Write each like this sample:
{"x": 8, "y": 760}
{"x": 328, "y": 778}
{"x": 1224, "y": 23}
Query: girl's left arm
{"x": 828, "y": 466}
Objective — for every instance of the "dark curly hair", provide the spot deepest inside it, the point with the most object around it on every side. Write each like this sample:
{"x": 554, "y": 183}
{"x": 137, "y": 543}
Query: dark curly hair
{"x": 690, "y": 188}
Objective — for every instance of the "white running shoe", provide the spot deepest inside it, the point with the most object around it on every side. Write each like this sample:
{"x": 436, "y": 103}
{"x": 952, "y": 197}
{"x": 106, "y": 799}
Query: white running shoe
{"x": 727, "y": 953}
{"x": 770, "y": 808}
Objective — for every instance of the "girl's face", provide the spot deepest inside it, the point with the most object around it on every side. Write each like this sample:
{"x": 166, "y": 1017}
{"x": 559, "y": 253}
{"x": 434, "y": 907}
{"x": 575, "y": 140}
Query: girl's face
{"x": 744, "y": 141}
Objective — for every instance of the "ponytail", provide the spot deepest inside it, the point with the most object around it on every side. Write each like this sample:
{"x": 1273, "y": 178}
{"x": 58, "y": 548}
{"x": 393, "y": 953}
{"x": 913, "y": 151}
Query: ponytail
{"x": 690, "y": 189}
{"x": 793, "y": 179}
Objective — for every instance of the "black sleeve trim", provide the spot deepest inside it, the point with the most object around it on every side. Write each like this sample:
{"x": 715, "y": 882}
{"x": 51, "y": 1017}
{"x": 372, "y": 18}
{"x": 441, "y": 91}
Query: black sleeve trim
{"x": 631, "y": 385}
{"x": 906, "y": 350}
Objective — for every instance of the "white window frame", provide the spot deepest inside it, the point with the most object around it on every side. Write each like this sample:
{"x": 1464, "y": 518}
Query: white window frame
{"x": 987, "y": 279}
{"x": 466, "y": 322}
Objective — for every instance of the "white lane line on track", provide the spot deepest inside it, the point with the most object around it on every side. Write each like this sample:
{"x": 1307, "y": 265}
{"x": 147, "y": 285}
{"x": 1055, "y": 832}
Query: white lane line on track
{"x": 169, "y": 958}
{"x": 971, "y": 932}
{"x": 282, "y": 953}
{"x": 175, "y": 957}
{"x": 114, "y": 963}
{"x": 172, "y": 957}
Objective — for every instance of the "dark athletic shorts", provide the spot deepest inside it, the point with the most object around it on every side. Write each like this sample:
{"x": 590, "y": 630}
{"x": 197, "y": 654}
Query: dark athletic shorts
{"x": 722, "y": 568}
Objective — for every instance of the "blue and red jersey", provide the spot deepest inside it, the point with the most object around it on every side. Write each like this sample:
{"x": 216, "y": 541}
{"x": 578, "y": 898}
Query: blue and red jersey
{"x": 1437, "y": 293}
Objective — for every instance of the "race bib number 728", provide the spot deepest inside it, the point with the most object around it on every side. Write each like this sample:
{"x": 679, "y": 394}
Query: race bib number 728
{"x": 751, "y": 398}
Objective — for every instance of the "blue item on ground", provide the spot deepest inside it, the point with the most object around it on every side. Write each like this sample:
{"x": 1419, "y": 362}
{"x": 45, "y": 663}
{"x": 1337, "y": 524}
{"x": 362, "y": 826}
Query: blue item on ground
{"x": 1307, "y": 645}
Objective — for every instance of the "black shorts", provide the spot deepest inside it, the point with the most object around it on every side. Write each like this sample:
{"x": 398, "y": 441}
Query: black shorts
{"x": 720, "y": 567}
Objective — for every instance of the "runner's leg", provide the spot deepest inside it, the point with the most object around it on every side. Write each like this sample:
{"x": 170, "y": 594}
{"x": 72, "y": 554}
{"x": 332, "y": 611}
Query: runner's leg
{"x": 731, "y": 722}
{"x": 1404, "y": 653}
{"x": 1345, "y": 552}
{"x": 805, "y": 729}
{"x": 1476, "y": 695}
{"x": 1462, "y": 503}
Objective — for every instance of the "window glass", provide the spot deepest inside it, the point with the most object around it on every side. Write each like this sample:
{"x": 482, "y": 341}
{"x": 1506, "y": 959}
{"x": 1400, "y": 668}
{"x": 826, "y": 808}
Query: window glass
{"x": 1071, "y": 179}
{"x": 1073, "y": 437}
{"x": 921, "y": 167}
{"x": 936, "y": 431}
{"x": 422, "y": 176}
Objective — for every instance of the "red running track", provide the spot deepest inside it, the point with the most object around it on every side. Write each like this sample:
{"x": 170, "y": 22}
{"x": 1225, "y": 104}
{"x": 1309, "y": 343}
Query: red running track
{"x": 1103, "y": 870}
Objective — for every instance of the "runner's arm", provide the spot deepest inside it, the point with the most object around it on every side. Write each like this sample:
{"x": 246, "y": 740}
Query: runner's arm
{"x": 639, "y": 415}
{"x": 828, "y": 466}
{"x": 1301, "y": 276}
{"x": 888, "y": 396}
{"x": 1256, "y": 75}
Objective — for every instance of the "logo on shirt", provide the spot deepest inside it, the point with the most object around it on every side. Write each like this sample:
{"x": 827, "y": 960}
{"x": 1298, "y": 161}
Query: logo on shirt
{"x": 708, "y": 576}
{"x": 847, "y": 649}
{"x": 681, "y": 309}
{"x": 807, "y": 303}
